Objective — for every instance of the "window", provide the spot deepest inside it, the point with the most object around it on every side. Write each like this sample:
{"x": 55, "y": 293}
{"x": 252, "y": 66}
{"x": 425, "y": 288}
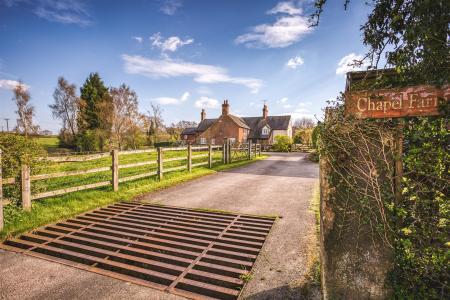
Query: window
{"x": 203, "y": 141}
{"x": 265, "y": 130}
{"x": 232, "y": 140}
{"x": 213, "y": 141}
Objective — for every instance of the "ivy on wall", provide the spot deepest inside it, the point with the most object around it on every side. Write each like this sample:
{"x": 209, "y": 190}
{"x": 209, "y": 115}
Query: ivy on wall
{"x": 416, "y": 229}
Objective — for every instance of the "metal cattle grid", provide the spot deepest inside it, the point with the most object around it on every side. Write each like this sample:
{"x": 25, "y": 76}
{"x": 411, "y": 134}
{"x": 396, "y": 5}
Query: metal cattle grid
{"x": 192, "y": 253}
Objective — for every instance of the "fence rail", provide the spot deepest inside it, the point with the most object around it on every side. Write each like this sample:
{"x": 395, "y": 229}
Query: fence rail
{"x": 228, "y": 153}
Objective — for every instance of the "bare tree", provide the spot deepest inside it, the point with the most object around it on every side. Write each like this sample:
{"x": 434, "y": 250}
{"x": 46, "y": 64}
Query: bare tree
{"x": 25, "y": 111}
{"x": 304, "y": 122}
{"x": 156, "y": 121}
{"x": 175, "y": 129}
{"x": 66, "y": 108}
{"x": 125, "y": 116}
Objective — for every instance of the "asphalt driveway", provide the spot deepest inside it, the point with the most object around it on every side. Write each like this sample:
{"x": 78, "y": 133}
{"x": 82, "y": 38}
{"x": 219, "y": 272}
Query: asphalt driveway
{"x": 281, "y": 185}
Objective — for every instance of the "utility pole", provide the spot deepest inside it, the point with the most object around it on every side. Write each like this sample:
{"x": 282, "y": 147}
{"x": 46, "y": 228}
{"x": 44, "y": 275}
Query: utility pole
{"x": 7, "y": 124}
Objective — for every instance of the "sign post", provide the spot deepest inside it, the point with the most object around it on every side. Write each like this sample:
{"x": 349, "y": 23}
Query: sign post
{"x": 412, "y": 101}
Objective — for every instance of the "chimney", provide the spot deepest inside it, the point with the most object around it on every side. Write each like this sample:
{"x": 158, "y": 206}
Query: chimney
{"x": 202, "y": 115}
{"x": 225, "y": 108}
{"x": 265, "y": 111}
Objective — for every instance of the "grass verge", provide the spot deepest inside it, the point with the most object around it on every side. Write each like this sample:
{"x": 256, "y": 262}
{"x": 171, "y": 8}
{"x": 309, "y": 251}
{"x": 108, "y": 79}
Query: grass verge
{"x": 63, "y": 207}
{"x": 311, "y": 286}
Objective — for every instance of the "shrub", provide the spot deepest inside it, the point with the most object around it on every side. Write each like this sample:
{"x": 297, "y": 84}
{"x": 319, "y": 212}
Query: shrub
{"x": 88, "y": 141}
{"x": 18, "y": 150}
{"x": 282, "y": 143}
{"x": 298, "y": 139}
{"x": 315, "y": 135}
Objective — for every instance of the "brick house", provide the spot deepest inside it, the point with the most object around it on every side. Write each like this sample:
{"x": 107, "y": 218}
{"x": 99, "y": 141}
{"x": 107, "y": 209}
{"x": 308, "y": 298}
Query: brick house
{"x": 262, "y": 129}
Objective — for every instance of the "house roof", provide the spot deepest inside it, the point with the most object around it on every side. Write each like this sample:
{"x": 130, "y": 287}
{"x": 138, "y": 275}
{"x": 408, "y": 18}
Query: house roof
{"x": 205, "y": 124}
{"x": 255, "y": 124}
{"x": 275, "y": 123}
{"x": 189, "y": 130}
{"x": 239, "y": 121}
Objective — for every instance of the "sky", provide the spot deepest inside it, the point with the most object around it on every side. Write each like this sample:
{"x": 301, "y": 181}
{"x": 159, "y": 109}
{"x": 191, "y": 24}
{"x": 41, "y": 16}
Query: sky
{"x": 184, "y": 55}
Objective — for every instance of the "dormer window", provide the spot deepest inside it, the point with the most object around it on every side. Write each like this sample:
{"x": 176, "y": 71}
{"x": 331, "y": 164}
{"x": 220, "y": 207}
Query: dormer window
{"x": 265, "y": 130}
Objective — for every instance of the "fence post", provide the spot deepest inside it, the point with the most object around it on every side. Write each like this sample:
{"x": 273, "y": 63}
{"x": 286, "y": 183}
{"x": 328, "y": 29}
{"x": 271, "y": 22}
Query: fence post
{"x": 1, "y": 193}
{"x": 260, "y": 146}
{"x": 160, "y": 163}
{"x": 249, "y": 150}
{"x": 210, "y": 156}
{"x": 225, "y": 151}
{"x": 229, "y": 151}
{"x": 256, "y": 149}
{"x": 189, "y": 158}
{"x": 115, "y": 169}
{"x": 26, "y": 187}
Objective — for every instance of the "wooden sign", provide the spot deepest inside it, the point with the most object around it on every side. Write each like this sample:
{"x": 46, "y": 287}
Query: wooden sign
{"x": 420, "y": 100}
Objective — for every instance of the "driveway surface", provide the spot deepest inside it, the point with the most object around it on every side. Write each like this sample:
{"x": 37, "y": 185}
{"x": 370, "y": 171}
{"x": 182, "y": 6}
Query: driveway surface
{"x": 281, "y": 185}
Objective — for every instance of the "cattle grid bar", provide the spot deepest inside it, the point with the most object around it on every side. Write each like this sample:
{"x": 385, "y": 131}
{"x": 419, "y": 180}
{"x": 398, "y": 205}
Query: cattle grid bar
{"x": 192, "y": 253}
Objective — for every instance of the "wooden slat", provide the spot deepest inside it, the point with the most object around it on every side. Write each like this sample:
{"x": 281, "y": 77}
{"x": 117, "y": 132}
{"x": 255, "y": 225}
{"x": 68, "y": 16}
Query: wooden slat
{"x": 139, "y": 176}
{"x": 200, "y": 148}
{"x": 74, "y": 158}
{"x": 174, "y": 159}
{"x": 136, "y": 151}
{"x": 68, "y": 173}
{"x": 70, "y": 190}
{"x": 174, "y": 149}
{"x": 200, "y": 155}
{"x": 9, "y": 180}
{"x": 139, "y": 164}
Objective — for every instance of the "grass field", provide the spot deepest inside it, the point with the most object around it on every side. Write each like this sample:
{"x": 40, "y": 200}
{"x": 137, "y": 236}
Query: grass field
{"x": 56, "y": 208}
{"x": 49, "y": 143}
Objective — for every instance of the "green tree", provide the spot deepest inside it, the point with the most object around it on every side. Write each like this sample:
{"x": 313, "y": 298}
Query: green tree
{"x": 93, "y": 92}
{"x": 95, "y": 105}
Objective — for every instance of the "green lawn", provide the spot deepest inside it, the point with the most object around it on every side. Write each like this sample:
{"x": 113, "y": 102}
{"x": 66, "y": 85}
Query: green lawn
{"x": 50, "y": 143}
{"x": 56, "y": 208}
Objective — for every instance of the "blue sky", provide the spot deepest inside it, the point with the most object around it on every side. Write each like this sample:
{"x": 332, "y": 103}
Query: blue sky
{"x": 182, "y": 54}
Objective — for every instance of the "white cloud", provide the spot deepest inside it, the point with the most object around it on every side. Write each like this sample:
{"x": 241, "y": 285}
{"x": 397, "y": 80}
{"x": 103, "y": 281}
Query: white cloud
{"x": 287, "y": 106}
{"x": 139, "y": 39}
{"x": 167, "y": 100}
{"x": 286, "y": 7}
{"x": 170, "y": 7}
{"x": 171, "y": 100}
{"x": 302, "y": 113}
{"x": 206, "y": 102}
{"x": 294, "y": 62}
{"x": 283, "y": 100}
{"x": 11, "y": 84}
{"x": 347, "y": 64}
{"x": 170, "y": 44}
{"x": 185, "y": 96}
{"x": 287, "y": 30}
{"x": 60, "y": 11}
{"x": 166, "y": 68}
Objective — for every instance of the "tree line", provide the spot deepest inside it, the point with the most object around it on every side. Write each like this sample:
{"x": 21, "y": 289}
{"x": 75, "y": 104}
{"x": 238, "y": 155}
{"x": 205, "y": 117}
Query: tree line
{"x": 99, "y": 118}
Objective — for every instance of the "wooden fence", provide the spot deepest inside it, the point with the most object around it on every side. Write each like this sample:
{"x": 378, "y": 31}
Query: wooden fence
{"x": 250, "y": 150}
